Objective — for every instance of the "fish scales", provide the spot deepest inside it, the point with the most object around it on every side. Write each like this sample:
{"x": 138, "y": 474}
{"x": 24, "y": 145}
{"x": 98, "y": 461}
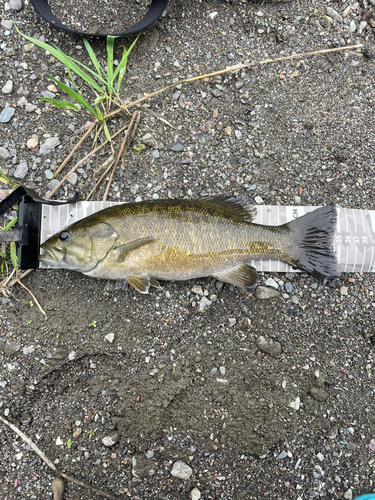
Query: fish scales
{"x": 178, "y": 240}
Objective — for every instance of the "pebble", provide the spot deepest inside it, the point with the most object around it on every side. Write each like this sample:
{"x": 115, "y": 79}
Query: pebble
{"x": 269, "y": 346}
{"x": 15, "y": 4}
{"x": 150, "y": 141}
{"x": 32, "y": 143}
{"x": 6, "y": 114}
{"x": 318, "y": 393}
{"x": 195, "y": 494}
{"x": 288, "y": 287}
{"x": 295, "y": 404}
{"x": 272, "y": 282}
{"x": 204, "y": 304}
{"x": 8, "y": 87}
{"x": 111, "y": 439}
{"x": 49, "y": 174}
{"x": 58, "y": 487}
{"x": 232, "y": 321}
{"x": 320, "y": 457}
{"x": 181, "y": 470}
{"x": 59, "y": 441}
{"x": 72, "y": 179}
{"x": 258, "y": 200}
{"x": 297, "y": 200}
{"x": 352, "y": 26}
{"x": 110, "y": 337}
{"x": 7, "y": 24}
{"x": 29, "y": 108}
{"x": 77, "y": 432}
{"x": 282, "y": 455}
{"x": 51, "y": 185}
{"x": 335, "y": 15}
{"x": 263, "y": 293}
{"x": 348, "y": 495}
{"x": 198, "y": 290}
{"x": 177, "y": 148}
{"x": 4, "y": 154}
{"x": 21, "y": 170}
{"x": 49, "y": 145}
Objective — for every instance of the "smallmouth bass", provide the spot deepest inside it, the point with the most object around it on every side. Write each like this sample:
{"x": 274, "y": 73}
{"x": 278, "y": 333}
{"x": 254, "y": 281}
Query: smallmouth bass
{"x": 184, "y": 239}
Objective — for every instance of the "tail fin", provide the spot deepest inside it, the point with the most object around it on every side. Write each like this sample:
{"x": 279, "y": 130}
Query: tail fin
{"x": 314, "y": 232}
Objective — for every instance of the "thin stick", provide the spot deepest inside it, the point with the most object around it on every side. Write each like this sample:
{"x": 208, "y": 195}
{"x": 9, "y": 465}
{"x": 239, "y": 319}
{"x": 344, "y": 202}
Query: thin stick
{"x": 51, "y": 465}
{"x": 15, "y": 280}
{"x": 227, "y": 70}
{"x": 51, "y": 193}
{"x": 127, "y": 139}
{"x": 152, "y": 113}
{"x": 33, "y": 296}
{"x": 79, "y": 143}
{"x": 100, "y": 180}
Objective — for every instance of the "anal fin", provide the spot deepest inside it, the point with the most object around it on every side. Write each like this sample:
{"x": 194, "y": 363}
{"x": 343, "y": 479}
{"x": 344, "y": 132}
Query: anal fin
{"x": 243, "y": 275}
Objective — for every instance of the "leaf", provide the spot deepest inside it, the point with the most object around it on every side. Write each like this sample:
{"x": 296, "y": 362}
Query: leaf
{"x": 10, "y": 224}
{"x": 121, "y": 68}
{"x": 60, "y": 104}
{"x": 98, "y": 113}
{"x": 93, "y": 58}
{"x": 74, "y": 95}
{"x": 99, "y": 99}
{"x": 106, "y": 131}
{"x": 110, "y": 44}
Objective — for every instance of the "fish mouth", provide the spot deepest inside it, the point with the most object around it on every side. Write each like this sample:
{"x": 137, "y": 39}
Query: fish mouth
{"x": 53, "y": 256}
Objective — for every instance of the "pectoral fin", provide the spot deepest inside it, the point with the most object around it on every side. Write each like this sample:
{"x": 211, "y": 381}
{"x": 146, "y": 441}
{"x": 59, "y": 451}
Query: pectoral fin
{"x": 123, "y": 250}
{"x": 242, "y": 275}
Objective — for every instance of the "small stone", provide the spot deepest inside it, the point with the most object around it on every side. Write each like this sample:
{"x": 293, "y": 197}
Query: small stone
{"x": 297, "y": 200}
{"x": 212, "y": 15}
{"x": 181, "y": 470}
{"x": 288, "y": 287}
{"x": 204, "y": 304}
{"x": 198, "y": 290}
{"x": 29, "y": 108}
{"x": 348, "y": 495}
{"x": 58, "y": 487}
{"x": 232, "y": 321}
{"x": 295, "y": 404}
{"x": 49, "y": 174}
{"x": 268, "y": 345}
{"x": 49, "y": 145}
{"x": 195, "y": 494}
{"x": 335, "y": 15}
{"x": 282, "y": 455}
{"x": 258, "y": 200}
{"x": 15, "y": 4}
{"x": 110, "y": 337}
{"x": 77, "y": 432}
{"x": 52, "y": 88}
{"x": 320, "y": 457}
{"x": 4, "y": 154}
{"x": 51, "y": 185}
{"x": 177, "y": 148}
{"x": 21, "y": 170}
{"x": 7, "y": 24}
{"x": 149, "y": 454}
{"x": 59, "y": 442}
{"x": 228, "y": 131}
{"x": 72, "y": 179}
{"x": 8, "y": 87}
{"x": 263, "y": 293}
{"x": 318, "y": 393}
{"x": 6, "y": 114}
{"x": 32, "y": 142}
{"x": 272, "y": 282}
{"x": 111, "y": 439}
{"x": 352, "y": 28}
{"x": 344, "y": 290}
{"x": 149, "y": 140}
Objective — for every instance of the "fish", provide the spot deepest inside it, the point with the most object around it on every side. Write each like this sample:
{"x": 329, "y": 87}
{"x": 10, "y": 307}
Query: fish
{"x": 187, "y": 239}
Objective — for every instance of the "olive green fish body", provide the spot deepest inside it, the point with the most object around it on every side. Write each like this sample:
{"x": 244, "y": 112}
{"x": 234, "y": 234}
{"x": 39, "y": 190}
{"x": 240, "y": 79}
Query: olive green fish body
{"x": 178, "y": 240}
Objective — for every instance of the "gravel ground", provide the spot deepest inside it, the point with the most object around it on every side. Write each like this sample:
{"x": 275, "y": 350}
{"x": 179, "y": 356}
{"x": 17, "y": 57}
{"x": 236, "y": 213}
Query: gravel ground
{"x": 198, "y": 390}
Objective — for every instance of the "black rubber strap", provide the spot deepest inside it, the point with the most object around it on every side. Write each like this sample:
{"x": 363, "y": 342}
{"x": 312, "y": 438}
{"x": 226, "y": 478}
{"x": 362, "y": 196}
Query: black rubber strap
{"x": 156, "y": 9}
{"x": 16, "y": 195}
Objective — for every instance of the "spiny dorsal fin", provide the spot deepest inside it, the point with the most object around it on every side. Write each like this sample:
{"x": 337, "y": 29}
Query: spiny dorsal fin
{"x": 123, "y": 250}
{"x": 236, "y": 208}
{"x": 243, "y": 275}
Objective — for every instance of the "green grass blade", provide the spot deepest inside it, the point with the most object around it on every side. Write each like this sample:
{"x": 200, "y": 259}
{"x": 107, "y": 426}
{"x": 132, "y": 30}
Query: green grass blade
{"x": 124, "y": 58}
{"x": 13, "y": 254}
{"x": 60, "y": 104}
{"x": 10, "y": 224}
{"x": 106, "y": 131}
{"x": 110, "y": 44}
{"x": 6, "y": 180}
{"x": 74, "y": 95}
{"x": 93, "y": 58}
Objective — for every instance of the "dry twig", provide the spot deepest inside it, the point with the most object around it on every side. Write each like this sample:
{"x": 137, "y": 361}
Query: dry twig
{"x": 33, "y": 296}
{"x": 51, "y": 465}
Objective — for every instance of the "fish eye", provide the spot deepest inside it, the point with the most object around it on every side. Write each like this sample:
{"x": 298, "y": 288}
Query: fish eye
{"x": 64, "y": 235}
